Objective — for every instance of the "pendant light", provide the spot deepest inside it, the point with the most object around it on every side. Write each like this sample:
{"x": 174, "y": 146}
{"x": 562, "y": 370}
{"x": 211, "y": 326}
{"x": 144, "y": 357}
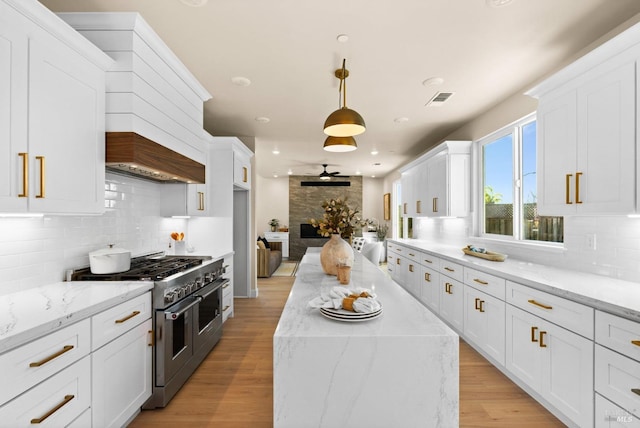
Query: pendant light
{"x": 344, "y": 122}
{"x": 340, "y": 144}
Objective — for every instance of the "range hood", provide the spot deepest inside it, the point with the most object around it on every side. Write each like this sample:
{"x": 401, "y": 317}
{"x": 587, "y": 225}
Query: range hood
{"x": 133, "y": 154}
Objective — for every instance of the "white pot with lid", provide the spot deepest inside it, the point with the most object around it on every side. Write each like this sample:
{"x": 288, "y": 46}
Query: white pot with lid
{"x": 110, "y": 260}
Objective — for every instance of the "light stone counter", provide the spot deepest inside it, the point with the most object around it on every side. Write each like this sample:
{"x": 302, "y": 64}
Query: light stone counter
{"x": 398, "y": 370}
{"x": 608, "y": 294}
{"x": 32, "y": 313}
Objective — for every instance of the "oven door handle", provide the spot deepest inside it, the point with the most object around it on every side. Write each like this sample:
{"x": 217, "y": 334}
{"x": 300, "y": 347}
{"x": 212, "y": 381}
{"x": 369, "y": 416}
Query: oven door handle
{"x": 172, "y": 315}
{"x": 213, "y": 290}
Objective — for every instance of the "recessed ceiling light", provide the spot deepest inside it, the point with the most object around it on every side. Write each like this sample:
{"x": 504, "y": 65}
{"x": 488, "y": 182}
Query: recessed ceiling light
{"x": 432, "y": 81}
{"x": 194, "y": 3}
{"x": 240, "y": 81}
{"x": 401, "y": 119}
{"x": 373, "y": 176}
{"x": 290, "y": 172}
{"x": 358, "y": 172}
{"x": 374, "y": 152}
{"x": 262, "y": 119}
{"x": 498, "y": 3}
{"x": 342, "y": 38}
{"x": 275, "y": 175}
{"x": 275, "y": 151}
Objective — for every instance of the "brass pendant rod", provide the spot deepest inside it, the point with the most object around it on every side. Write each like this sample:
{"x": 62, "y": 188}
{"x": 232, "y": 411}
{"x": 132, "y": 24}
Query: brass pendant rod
{"x": 343, "y": 83}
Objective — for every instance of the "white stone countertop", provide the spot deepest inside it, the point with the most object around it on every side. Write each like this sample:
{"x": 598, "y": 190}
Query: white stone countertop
{"x": 29, "y": 314}
{"x": 402, "y": 314}
{"x": 600, "y": 292}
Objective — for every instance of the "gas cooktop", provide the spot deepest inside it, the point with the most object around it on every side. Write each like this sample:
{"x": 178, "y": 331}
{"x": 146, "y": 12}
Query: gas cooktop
{"x": 146, "y": 268}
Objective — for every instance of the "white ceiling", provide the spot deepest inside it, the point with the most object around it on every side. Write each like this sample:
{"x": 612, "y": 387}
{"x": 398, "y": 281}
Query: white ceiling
{"x": 289, "y": 51}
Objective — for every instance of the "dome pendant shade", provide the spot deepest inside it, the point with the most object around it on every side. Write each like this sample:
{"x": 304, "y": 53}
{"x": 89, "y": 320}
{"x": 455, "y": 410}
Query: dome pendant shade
{"x": 340, "y": 144}
{"x": 344, "y": 122}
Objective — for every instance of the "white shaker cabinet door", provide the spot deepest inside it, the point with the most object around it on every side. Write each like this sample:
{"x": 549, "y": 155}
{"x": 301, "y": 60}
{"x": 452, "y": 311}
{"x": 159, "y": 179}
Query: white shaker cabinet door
{"x": 484, "y": 322}
{"x": 66, "y": 129}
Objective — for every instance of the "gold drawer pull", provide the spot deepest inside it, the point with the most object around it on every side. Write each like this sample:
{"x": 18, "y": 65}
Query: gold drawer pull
{"x": 635, "y": 342}
{"x": 434, "y": 204}
{"x": 447, "y": 288}
{"x": 449, "y": 269}
{"x": 428, "y": 261}
{"x": 128, "y": 317}
{"x": 226, "y": 285}
{"x": 151, "y": 337}
{"x": 25, "y": 175}
{"x": 635, "y": 391}
{"x": 64, "y": 349}
{"x": 410, "y": 268}
{"x": 226, "y": 308}
{"x": 397, "y": 261}
{"x": 412, "y": 255}
{"x": 41, "y": 419}
{"x": 477, "y": 300}
{"x": 479, "y": 281}
{"x": 567, "y": 184}
{"x": 200, "y": 201}
{"x": 481, "y": 308}
{"x": 404, "y": 207}
{"x": 418, "y": 207}
{"x": 245, "y": 175}
{"x": 542, "y": 344}
{"x": 578, "y": 174}
{"x": 533, "y": 334}
{"x": 533, "y": 302}
{"x": 427, "y": 276}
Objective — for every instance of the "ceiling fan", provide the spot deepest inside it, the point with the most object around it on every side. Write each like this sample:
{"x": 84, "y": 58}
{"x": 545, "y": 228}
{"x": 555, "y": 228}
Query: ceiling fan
{"x": 324, "y": 175}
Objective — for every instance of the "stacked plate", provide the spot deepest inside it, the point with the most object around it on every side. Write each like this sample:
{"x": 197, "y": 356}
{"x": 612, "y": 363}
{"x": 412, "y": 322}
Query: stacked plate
{"x": 348, "y": 316}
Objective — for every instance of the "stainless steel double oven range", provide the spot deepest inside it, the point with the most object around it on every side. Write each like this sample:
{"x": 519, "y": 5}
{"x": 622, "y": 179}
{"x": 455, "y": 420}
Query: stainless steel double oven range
{"x": 187, "y": 303}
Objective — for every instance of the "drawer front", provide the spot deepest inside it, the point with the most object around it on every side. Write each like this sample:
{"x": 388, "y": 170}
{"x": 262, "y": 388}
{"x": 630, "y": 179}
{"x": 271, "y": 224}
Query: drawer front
{"x": 392, "y": 248}
{"x": 570, "y": 315}
{"x": 428, "y": 261}
{"x": 227, "y": 289}
{"x": 116, "y": 321}
{"x": 30, "y": 364}
{"x": 619, "y": 334}
{"x": 486, "y": 283}
{"x": 608, "y": 415}
{"x": 58, "y": 400}
{"x": 413, "y": 255}
{"x": 227, "y": 307}
{"x": 452, "y": 270}
{"x": 618, "y": 379}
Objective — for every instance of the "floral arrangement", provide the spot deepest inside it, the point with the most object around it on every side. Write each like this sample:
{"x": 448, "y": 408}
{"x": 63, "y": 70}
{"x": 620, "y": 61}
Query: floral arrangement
{"x": 274, "y": 222}
{"x": 381, "y": 232}
{"x": 338, "y": 218}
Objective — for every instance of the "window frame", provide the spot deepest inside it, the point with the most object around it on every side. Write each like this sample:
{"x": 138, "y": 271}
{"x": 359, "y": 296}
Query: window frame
{"x": 516, "y": 130}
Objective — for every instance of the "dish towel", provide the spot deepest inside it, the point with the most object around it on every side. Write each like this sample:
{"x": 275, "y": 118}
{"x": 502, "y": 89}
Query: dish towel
{"x": 338, "y": 297}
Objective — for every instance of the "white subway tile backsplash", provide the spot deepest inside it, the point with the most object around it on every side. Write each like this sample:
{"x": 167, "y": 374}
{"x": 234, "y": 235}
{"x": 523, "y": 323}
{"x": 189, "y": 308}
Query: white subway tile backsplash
{"x": 37, "y": 251}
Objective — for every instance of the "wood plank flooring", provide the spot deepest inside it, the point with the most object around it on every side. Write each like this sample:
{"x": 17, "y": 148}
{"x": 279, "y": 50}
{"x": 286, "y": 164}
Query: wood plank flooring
{"x": 233, "y": 387}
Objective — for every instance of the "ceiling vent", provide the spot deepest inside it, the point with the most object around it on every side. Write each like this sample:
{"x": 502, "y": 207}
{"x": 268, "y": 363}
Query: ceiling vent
{"x": 439, "y": 98}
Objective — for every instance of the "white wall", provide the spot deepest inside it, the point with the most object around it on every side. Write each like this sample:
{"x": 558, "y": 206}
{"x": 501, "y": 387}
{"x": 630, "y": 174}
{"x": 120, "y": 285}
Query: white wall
{"x": 37, "y": 251}
{"x": 272, "y": 201}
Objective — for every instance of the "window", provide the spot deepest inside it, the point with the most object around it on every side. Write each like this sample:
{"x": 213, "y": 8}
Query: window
{"x": 508, "y": 177}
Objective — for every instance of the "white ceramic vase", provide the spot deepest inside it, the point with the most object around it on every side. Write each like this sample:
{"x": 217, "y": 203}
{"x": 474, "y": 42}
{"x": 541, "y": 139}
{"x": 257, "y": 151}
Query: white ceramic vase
{"x": 334, "y": 250}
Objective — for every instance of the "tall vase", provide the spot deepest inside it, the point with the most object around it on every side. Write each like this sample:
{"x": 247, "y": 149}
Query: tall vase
{"x": 335, "y": 249}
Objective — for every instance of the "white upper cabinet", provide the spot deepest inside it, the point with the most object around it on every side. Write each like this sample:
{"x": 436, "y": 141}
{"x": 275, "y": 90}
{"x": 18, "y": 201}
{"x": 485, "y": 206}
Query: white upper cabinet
{"x": 587, "y": 132}
{"x": 52, "y": 114}
{"x": 241, "y": 166}
{"x": 438, "y": 183}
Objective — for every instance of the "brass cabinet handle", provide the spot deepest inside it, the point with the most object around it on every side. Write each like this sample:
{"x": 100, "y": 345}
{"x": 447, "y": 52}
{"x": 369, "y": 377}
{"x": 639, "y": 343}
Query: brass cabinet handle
{"x": 404, "y": 207}
{"x": 412, "y": 255}
{"x": 226, "y": 308}
{"x": 477, "y": 300}
{"x": 578, "y": 174}
{"x": 428, "y": 261}
{"x": 542, "y": 344}
{"x": 200, "y": 201}
{"x": 427, "y": 276}
{"x": 128, "y": 317}
{"x": 44, "y": 361}
{"x": 410, "y": 268}
{"x": 42, "y": 177}
{"x": 398, "y": 261}
{"x": 245, "y": 175}
{"x": 418, "y": 207}
{"x": 449, "y": 269}
{"x": 226, "y": 285}
{"x": 481, "y": 308}
{"x": 635, "y": 391}
{"x": 635, "y": 342}
{"x": 533, "y": 302}
{"x": 151, "y": 337}
{"x": 479, "y": 281}
{"x": 41, "y": 419}
{"x": 25, "y": 175}
{"x": 435, "y": 205}
{"x": 533, "y": 334}
{"x": 567, "y": 185}
{"x": 399, "y": 250}
{"x": 447, "y": 287}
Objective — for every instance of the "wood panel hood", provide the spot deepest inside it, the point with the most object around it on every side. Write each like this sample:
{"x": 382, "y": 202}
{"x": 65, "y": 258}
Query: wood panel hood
{"x": 136, "y": 155}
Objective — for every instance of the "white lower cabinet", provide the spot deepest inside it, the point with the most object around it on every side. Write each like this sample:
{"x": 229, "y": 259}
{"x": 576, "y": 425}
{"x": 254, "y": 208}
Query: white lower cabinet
{"x": 430, "y": 288}
{"x": 452, "y": 302}
{"x": 608, "y": 415}
{"x": 618, "y": 379}
{"x": 484, "y": 322}
{"x": 55, "y": 402}
{"x": 554, "y": 362}
{"x": 121, "y": 375}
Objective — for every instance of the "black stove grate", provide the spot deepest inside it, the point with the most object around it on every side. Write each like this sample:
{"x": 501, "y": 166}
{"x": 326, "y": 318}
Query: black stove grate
{"x": 143, "y": 269}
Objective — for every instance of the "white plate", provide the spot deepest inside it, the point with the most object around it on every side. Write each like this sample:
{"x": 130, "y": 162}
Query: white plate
{"x": 349, "y": 314}
{"x": 343, "y": 318}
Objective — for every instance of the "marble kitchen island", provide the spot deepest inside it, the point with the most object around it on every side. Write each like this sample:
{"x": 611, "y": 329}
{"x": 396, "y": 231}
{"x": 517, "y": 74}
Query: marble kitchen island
{"x": 397, "y": 370}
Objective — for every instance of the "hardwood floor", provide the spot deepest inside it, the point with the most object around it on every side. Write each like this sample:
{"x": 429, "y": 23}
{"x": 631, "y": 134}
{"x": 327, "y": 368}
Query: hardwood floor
{"x": 233, "y": 387}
